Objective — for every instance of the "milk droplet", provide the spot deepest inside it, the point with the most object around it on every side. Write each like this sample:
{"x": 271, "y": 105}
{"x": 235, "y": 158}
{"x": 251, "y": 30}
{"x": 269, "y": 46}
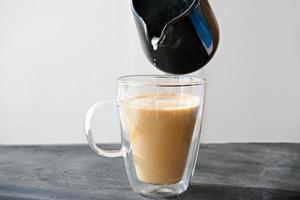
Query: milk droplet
{"x": 154, "y": 61}
{"x": 154, "y": 42}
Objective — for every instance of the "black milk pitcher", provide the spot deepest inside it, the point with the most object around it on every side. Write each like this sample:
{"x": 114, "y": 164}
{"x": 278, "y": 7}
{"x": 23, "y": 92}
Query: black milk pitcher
{"x": 177, "y": 36}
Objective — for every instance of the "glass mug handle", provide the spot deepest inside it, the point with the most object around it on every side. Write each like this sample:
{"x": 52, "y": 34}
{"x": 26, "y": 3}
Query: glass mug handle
{"x": 89, "y": 134}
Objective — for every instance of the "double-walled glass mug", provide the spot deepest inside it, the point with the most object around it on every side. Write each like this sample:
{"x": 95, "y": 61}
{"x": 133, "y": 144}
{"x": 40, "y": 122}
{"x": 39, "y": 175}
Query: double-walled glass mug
{"x": 160, "y": 118}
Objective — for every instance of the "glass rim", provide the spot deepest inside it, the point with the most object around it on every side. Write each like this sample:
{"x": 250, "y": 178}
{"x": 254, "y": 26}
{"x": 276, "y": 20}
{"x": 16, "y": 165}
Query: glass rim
{"x": 147, "y": 80}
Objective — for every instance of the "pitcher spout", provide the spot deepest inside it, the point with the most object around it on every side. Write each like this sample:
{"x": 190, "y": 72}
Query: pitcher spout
{"x": 157, "y": 24}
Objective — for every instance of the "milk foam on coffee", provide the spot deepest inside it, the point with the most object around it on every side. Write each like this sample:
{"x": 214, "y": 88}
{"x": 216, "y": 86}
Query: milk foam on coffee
{"x": 160, "y": 128}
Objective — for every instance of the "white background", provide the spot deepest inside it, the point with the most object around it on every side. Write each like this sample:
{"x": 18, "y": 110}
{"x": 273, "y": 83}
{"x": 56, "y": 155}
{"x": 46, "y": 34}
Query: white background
{"x": 58, "y": 57}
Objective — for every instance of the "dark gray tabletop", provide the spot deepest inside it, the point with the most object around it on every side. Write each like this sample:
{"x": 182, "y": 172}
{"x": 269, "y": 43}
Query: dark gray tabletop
{"x": 224, "y": 172}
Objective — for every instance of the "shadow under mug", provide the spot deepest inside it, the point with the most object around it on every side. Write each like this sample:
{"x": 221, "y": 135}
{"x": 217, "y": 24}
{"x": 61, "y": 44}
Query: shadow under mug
{"x": 161, "y": 119}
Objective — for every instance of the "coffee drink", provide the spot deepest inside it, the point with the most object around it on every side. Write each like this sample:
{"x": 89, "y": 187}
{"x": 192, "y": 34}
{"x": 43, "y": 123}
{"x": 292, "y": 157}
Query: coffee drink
{"x": 160, "y": 128}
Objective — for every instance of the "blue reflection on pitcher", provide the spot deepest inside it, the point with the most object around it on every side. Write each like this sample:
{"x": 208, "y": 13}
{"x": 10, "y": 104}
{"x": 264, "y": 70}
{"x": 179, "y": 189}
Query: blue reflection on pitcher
{"x": 202, "y": 29}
